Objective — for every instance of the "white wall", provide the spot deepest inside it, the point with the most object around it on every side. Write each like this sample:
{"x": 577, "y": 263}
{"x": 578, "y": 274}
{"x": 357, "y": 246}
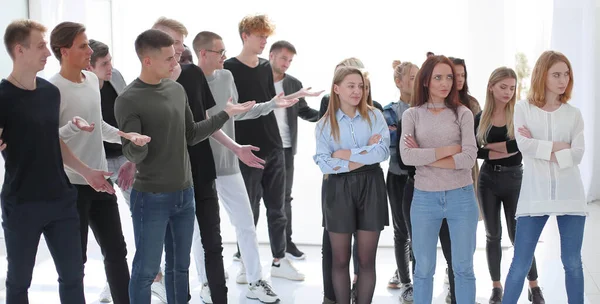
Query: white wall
{"x": 10, "y": 10}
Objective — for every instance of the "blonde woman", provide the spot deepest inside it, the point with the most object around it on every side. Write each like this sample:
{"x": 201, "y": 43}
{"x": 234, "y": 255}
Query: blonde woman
{"x": 404, "y": 78}
{"x": 501, "y": 173}
{"x": 550, "y": 137}
{"x": 352, "y": 139}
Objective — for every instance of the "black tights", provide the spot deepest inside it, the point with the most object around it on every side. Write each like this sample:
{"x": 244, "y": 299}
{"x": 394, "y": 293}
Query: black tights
{"x": 367, "y": 252}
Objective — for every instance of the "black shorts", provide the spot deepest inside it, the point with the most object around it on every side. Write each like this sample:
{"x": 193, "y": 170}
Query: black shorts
{"x": 355, "y": 200}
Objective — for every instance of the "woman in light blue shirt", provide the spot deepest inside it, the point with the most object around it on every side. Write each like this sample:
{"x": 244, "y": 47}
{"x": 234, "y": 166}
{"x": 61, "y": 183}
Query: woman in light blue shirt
{"x": 352, "y": 139}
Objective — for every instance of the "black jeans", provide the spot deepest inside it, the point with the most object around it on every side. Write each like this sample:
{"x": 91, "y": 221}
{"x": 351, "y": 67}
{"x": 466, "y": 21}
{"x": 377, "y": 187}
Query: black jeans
{"x": 444, "y": 234}
{"x": 100, "y": 211}
{"x": 269, "y": 184}
{"x": 500, "y": 186}
{"x": 23, "y": 225}
{"x": 289, "y": 182}
{"x": 395, "y": 189}
{"x": 209, "y": 222}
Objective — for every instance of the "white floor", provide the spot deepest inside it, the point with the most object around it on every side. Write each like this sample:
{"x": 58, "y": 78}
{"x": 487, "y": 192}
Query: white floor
{"x": 44, "y": 285}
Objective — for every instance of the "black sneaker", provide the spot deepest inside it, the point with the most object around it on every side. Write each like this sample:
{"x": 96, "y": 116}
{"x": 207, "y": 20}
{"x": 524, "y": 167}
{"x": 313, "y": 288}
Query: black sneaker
{"x": 292, "y": 252}
{"x": 535, "y": 296}
{"x": 496, "y": 297}
{"x": 237, "y": 256}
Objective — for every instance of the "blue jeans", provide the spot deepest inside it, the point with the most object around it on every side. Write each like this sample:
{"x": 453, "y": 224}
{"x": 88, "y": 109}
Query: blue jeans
{"x": 161, "y": 219}
{"x": 528, "y": 233}
{"x": 428, "y": 209}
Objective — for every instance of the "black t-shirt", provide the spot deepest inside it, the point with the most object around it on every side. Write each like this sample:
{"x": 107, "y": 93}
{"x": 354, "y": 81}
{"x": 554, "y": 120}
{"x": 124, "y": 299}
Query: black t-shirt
{"x": 255, "y": 84}
{"x": 108, "y": 96}
{"x": 200, "y": 99}
{"x": 34, "y": 168}
{"x": 498, "y": 134}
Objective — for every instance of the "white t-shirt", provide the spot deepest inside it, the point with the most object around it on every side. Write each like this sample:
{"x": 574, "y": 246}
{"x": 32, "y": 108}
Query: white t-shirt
{"x": 282, "y": 119}
{"x": 83, "y": 100}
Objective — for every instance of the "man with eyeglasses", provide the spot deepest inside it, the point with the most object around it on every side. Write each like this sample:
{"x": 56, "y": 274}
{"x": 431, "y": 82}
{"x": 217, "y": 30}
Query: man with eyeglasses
{"x": 210, "y": 49}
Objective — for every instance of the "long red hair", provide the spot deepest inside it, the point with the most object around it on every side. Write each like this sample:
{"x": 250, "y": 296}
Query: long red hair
{"x": 421, "y": 89}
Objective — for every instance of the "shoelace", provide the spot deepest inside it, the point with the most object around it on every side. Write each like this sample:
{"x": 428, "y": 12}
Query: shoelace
{"x": 268, "y": 289}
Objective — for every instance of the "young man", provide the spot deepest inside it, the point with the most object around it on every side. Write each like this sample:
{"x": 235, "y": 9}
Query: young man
{"x": 280, "y": 57}
{"x": 111, "y": 85}
{"x": 210, "y": 50}
{"x": 254, "y": 81}
{"x": 80, "y": 96}
{"x": 37, "y": 197}
{"x": 162, "y": 206}
{"x": 200, "y": 100}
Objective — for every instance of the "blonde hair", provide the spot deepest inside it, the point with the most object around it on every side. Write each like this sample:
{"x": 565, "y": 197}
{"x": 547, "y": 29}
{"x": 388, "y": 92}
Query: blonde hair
{"x": 485, "y": 124}
{"x": 537, "y": 93}
{"x": 335, "y": 103}
{"x": 260, "y": 24}
{"x": 19, "y": 32}
{"x": 351, "y": 62}
{"x": 171, "y": 24}
{"x": 402, "y": 68}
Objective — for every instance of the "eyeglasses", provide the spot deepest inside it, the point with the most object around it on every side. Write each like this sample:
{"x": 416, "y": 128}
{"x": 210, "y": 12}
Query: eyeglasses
{"x": 221, "y": 52}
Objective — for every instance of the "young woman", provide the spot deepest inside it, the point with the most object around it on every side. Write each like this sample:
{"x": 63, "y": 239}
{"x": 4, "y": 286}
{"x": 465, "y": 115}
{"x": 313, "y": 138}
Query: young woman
{"x": 550, "y": 137}
{"x": 328, "y": 293}
{"x": 437, "y": 138}
{"x": 501, "y": 173}
{"x": 352, "y": 139}
{"x": 404, "y": 77}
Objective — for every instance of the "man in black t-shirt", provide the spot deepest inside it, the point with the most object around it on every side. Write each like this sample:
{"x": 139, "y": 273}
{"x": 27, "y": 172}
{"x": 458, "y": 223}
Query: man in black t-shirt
{"x": 111, "y": 85}
{"x": 254, "y": 81}
{"x": 37, "y": 197}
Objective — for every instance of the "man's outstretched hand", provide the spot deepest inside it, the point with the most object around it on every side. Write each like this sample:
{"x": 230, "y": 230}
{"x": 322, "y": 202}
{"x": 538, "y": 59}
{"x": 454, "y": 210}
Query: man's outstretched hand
{"x": 244, "y": 153}
{"x": 136, "y": 138}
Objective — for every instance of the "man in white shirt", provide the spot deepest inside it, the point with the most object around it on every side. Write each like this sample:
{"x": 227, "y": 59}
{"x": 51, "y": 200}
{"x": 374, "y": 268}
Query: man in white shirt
{"x": 80, "y": 97}
{"x": 281, "y": 55}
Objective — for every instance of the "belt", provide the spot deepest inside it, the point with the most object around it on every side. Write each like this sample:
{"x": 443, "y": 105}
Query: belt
{"x": 500, "y": 168}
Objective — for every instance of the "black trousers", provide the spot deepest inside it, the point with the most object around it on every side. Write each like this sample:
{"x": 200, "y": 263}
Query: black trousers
{"x": 209, "y": 222}
{"x": 409, "y": 190}
{"x": 500, "y": 186}
{"x": 100, "y": 212}
{"x": 58, "y": 221}
{"x": 289, "y": 182}
{"x": 395, "y": 189}
{"x": 268, "y": 184}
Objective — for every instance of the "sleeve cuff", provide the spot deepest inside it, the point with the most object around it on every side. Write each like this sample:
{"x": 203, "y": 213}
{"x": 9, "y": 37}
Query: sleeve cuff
{"x": 544, "y": 150}
{"x": 564, "y": 158}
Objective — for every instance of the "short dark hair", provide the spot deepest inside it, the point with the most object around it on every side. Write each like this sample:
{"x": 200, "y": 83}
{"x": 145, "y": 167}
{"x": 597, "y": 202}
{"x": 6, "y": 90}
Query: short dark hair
{"x": 63, "y": 35}
{"x": 18, "y": 32}
{"x": 203, "y": 39}
{"x": 100, "y": 50}
{"x": 152, "y": 40}
{"x": 282, "y": 44}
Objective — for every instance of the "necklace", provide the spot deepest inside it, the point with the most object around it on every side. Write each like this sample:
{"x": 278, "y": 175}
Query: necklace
{"x": 22, "y": 86}
{"x": 431, "y": 105}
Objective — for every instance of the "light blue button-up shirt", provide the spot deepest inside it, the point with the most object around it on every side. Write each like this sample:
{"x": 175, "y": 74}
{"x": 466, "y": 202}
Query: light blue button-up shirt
{"x": 354, "y": 136}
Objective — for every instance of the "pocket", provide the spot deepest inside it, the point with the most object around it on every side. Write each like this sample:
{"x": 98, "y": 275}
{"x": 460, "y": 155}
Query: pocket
{"x": 468, "y": 188}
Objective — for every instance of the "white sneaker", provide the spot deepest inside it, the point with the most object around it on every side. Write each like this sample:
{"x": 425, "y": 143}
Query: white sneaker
{"x": 406, "y": 293}
{"x": 205, "y": 294}
{"x": 262, "y": 291}
{"x": 241, "y": 276}
{"x": 159, "y": 291}
{"x": 286, "y": 270}
{"x": 105, "y": 296}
